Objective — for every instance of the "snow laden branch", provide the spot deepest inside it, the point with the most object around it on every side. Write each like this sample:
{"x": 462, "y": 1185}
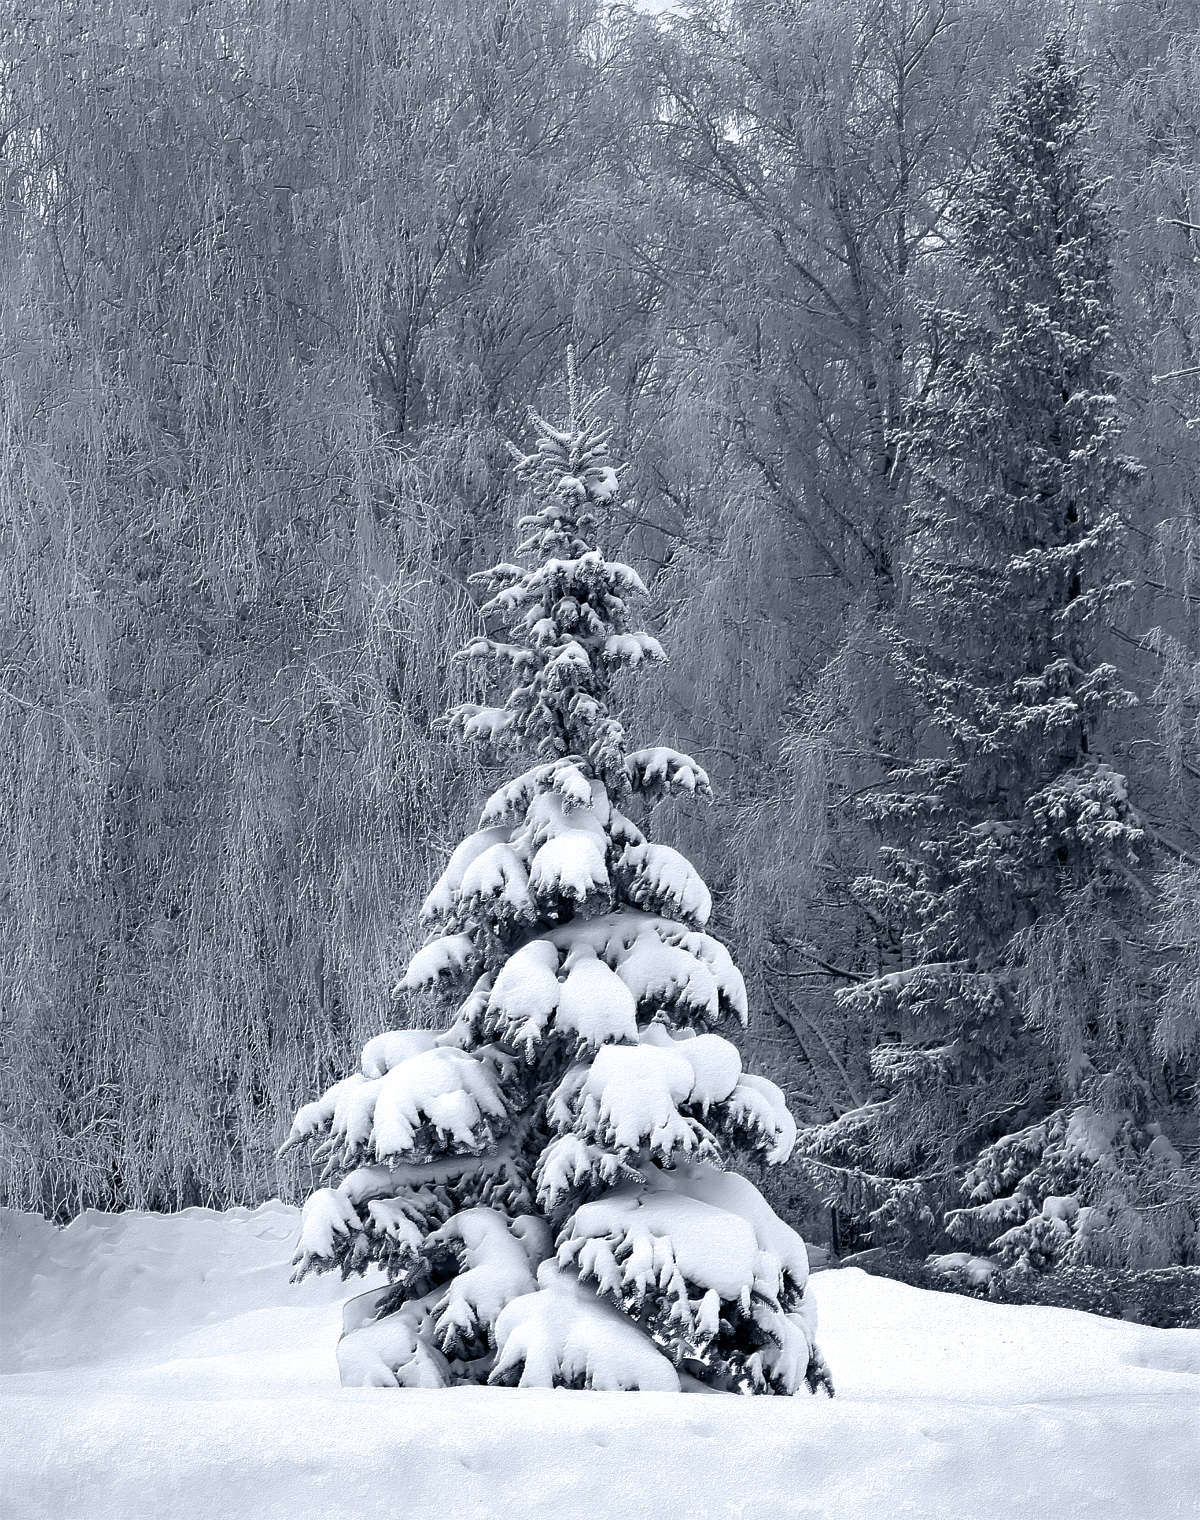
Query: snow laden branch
{"x": 542, "y": 1181}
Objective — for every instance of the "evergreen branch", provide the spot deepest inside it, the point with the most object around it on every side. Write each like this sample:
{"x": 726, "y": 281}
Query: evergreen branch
{"x": 892, "y": 981}
{"x": 879, "y": 1179}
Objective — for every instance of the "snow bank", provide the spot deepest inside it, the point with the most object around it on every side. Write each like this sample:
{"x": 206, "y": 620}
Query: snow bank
{"x": 161, "y": 1366}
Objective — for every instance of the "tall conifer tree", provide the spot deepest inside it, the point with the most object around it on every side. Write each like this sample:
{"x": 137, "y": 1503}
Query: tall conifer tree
{"x": 1012, "y": 853}
{"x": 543, "y": 1179}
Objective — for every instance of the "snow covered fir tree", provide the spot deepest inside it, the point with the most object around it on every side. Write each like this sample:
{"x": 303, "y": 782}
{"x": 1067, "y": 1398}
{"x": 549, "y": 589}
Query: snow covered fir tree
{"x": 544, "y": 1181}
{"x": 1013, "y": 1107}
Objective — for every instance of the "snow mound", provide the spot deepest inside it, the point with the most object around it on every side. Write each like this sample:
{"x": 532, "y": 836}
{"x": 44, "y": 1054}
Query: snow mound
{"x": 387, "y": 1353}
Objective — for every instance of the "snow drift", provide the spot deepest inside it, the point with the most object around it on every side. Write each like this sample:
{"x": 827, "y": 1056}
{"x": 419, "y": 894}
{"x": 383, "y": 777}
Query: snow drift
{"x": 161, "y": 1366}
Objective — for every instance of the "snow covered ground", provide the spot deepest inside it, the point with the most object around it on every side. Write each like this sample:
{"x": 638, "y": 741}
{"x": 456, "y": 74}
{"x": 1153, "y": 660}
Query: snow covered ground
{"x": 162, "y": 1366}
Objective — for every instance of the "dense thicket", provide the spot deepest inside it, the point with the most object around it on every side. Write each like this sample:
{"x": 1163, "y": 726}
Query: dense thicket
{"x": 269, "y": 277}
{"x": 278, "y": 281}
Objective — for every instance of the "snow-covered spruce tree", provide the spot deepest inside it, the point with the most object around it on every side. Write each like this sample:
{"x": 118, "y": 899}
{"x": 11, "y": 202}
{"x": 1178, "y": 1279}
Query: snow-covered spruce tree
{"x": 1017, "y": 1102}
{"x": 543, "y": 1180}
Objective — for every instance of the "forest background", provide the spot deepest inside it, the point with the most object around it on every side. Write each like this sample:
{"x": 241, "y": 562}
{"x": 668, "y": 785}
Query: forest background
{"x": 278, "y": 283}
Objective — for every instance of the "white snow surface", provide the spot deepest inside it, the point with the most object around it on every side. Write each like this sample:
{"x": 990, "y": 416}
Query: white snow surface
{"x": 161, "y": 1366}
